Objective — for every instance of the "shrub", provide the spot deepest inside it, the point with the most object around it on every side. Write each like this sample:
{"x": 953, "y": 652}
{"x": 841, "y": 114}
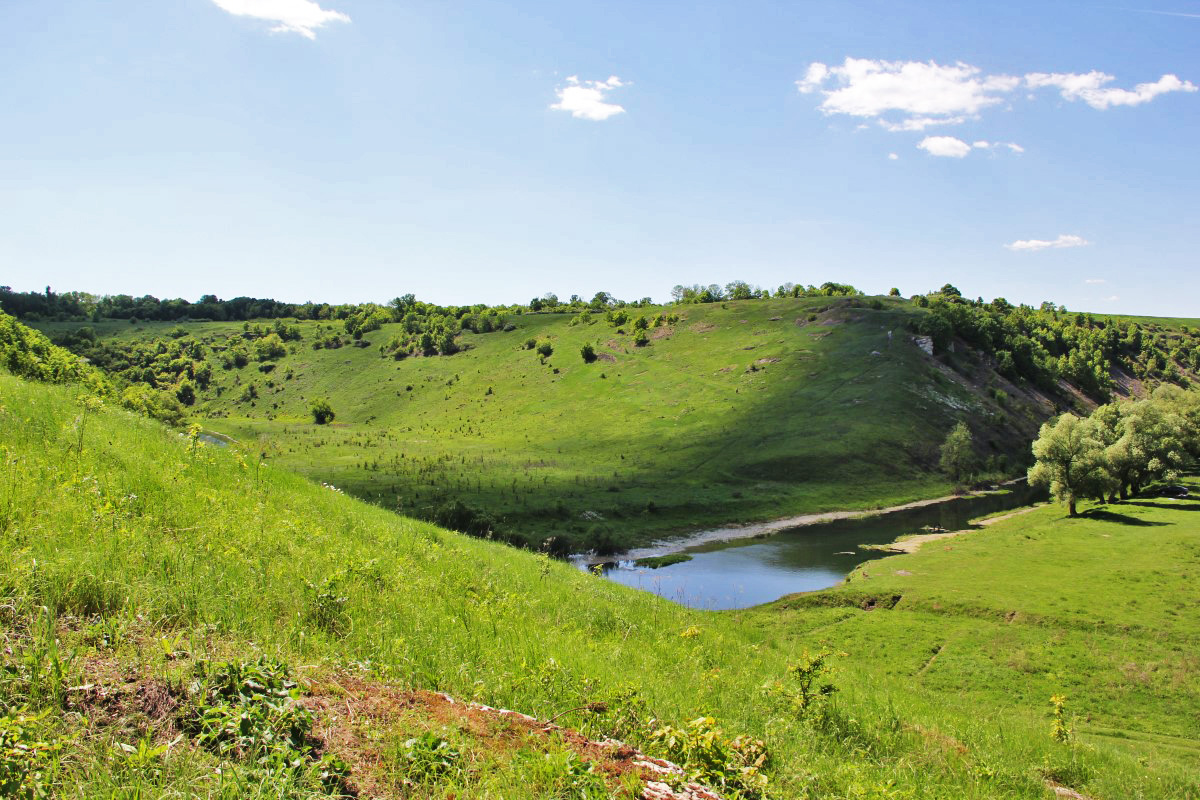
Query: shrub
{"x": 530, "y": 343}
{"x": 641, "y": 339}
{"x": 588, "y": 353}
{"x": 545, "y": 349}
{"x": 321, "y": 410}
{"x": 186, "y": 393}
{"x": 602, "y": 541}
{"x": 617, "y": 318}
{"x": 270, "y": 347}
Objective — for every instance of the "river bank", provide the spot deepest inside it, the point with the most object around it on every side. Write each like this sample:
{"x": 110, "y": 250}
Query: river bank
{"x": 758, "y": 530}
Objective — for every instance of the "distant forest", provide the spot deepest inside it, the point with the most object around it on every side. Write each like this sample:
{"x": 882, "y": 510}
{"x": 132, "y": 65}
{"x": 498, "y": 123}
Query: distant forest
{"x": 1042, "y": 345}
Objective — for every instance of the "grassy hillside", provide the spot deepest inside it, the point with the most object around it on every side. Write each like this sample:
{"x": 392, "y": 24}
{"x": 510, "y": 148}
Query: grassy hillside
{"x": 745, "y": 411}
{"x": 1093, "y": 608}
{"x": 131, "y": 554}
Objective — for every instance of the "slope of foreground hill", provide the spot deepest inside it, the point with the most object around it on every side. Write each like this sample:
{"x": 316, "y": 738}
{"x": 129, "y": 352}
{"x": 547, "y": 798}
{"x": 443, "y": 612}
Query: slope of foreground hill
{"x": 727, "y": 412}
{"x": 161, "y": 596}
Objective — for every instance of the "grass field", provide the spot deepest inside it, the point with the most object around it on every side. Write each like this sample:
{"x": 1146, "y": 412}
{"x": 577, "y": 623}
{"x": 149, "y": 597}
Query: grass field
{"x": 131, "y": 553}
{"x": 1094, "y": 608}
{"x": 746, "y": 412}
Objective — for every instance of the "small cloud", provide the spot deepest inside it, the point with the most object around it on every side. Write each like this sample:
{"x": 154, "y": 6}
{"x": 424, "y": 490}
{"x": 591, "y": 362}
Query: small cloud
{"x": 893, "y": 157}
{"x": 1064, "y": 240}
{"x": 290, "y": 16}
{"x": 919, "y": 124}
{"x": 587, "y": 99}
{"x": 1095, "y": 280}
{"x": 916, "y": 94}
{"x": 983, "y": 144}
{"x": 1091, "y": 88}
{"x": 813, "y": 78}
{"x": 944, "y": 146}
{"x": 1111, "y": 299}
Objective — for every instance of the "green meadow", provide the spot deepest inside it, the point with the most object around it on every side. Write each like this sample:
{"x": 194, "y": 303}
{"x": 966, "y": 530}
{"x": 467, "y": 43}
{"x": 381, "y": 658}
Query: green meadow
{"x": 134, "y": 555}
{"x": 737, "y": 412}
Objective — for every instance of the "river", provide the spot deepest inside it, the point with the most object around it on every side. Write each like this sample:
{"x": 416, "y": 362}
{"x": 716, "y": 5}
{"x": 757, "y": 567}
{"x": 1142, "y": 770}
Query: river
{"x": 742, "y": 572}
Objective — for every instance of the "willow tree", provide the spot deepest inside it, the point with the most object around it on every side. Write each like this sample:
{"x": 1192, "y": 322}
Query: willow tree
{"x": 1069, "y": 460}
{"x": 958, "y": 454}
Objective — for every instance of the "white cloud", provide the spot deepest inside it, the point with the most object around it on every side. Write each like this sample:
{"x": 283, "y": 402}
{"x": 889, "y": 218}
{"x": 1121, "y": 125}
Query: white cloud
{"x": 919, "y": 124}
{"x": 945, "y": 146}
{"x": 587, "y": 99}
{"x": 1091, "y": 88}
{"x": 1114, "y": 298}
{"x": 813, "y": 78}
{"x": 921, "y": 94}
{"x": 913, "y": 96}
{"x": 1064, "y": 240}
{"x": 984, "y": 144}
{"x": 290, "y": 16}
{"x": 1095, "y": 281}
{"x": 893, "y": 157}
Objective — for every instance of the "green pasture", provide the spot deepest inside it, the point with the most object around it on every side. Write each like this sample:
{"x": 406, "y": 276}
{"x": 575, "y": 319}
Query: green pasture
{"x": 131, "y": 552}
{"x": 750, "y": 411}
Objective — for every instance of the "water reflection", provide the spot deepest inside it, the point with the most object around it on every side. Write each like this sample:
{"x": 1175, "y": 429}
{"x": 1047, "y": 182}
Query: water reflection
{"x": 747, "y": 572}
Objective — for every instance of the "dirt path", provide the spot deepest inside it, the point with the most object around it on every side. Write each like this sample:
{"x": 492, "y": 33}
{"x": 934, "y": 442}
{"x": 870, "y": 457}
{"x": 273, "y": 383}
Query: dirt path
{"x": 912, "y": 544}
{"x": 754, "y": 530}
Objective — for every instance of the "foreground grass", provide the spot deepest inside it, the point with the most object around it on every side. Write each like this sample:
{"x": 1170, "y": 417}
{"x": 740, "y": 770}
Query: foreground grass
{"x": 742, "y": 412}
{"x": 131, "y": 553}
{"x": 1096, "y": 608}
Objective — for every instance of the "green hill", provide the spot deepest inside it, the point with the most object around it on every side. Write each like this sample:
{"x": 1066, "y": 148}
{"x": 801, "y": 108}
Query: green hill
{"x": 136, "y": 563}
{"x": 729, "y": 412}
{"x": 735, "y": 412}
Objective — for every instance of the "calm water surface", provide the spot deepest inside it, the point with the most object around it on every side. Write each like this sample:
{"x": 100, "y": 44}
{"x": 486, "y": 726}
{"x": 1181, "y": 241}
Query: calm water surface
{"x": 747, "y": 572}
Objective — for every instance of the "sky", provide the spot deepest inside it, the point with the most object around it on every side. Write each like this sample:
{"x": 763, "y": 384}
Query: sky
{"x": 484, "y": 151}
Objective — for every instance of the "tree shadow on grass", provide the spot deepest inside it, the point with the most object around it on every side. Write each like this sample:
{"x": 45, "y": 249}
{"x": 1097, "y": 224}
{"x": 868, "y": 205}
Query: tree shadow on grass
{"x": 1177, "y": 506}
{"x": 1122, "y": 519}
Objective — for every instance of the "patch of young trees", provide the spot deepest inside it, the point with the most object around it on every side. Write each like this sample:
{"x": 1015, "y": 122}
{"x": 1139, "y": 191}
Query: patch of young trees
{"x": 1119, "y": 449}
{"x": 1048, "y": 344}
{"x": 432, "y": 330}
{"x": 28, "y": 354}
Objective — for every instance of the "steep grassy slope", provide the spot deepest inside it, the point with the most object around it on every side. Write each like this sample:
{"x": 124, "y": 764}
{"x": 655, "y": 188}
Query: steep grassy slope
{"x": 129, "y": 553}
{"x": 749, "y": 411}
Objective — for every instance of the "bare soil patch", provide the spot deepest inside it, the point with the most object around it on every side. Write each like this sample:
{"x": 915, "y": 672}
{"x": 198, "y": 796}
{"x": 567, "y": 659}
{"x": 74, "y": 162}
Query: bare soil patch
{"x": 351, "y": 711}
{"x": 661, "y": 333}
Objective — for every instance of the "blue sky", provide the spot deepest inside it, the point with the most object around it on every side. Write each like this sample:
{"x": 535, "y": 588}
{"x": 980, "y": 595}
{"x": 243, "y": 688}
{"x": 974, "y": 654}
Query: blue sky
{"x": 353, "y": 150}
